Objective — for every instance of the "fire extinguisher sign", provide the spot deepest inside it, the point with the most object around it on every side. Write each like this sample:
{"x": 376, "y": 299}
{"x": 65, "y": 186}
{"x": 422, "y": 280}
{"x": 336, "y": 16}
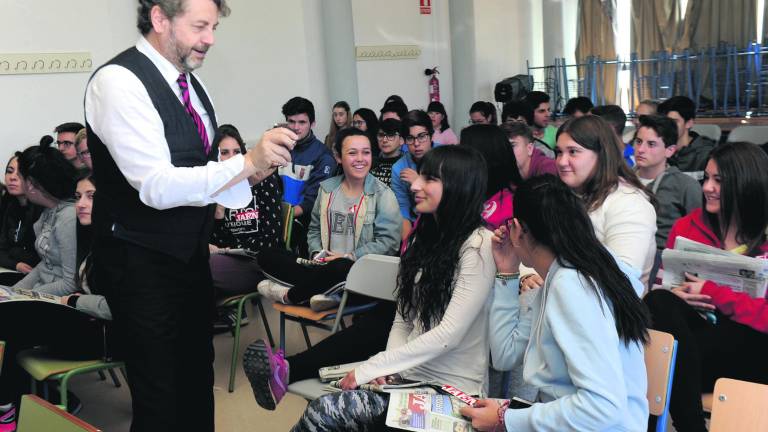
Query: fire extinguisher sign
{"x": 425, "y": 6}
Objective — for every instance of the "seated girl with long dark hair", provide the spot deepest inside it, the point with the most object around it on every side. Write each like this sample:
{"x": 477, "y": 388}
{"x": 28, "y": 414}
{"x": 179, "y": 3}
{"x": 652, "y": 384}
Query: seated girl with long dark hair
{"x": 735, "y": 345}
{"x": 580, "y": 337}
{"x": 17, "y": 237}
{"x": 440, "y": 330}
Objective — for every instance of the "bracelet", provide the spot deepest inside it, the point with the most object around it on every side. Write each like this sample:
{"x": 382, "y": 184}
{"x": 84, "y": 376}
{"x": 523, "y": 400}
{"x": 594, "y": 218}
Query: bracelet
{"x": 500, "y": 412}
{"x": 507, "y": 276}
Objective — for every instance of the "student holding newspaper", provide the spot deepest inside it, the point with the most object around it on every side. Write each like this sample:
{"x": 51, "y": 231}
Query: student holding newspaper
{"x": 580, "y": 336}
{"x": 440, "y": 332}
{"x": 734, "y": 342}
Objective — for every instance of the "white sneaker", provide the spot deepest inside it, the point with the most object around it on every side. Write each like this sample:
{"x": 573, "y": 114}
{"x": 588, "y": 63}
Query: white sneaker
{"x": 273, "y": 291}
{"x": 322, "y": 302}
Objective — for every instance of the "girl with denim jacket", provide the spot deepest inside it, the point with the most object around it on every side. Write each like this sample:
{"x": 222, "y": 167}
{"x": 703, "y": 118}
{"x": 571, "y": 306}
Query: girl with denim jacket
{"x": 354, "y": 215}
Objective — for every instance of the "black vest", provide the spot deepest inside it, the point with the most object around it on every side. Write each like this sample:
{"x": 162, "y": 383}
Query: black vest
{"x": 182, "y": 232}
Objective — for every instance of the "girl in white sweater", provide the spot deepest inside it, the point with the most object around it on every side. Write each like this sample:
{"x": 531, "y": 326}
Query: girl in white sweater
{"x": 440, "y": 332}
{"x": 590, "y": 162}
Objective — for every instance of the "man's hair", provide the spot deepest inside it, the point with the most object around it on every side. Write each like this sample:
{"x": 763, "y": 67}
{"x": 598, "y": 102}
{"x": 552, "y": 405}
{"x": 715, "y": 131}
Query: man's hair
{"x": 299, "y": 105}
{"x": 664, "y": 127}
{"x": 81, "y": 135}
{"x": 418, "y": 118}
{"x": 517, "y": 129}
{"x": 516, "y": 109}
{"x": 579, "y": 103}
{"x": 614, "y": 115}
{"x": 346, "y": 133}
{"x": 395, "y": 106}
{"x": 682, "y": 104}
{"x": 73, "y": 127}
{"x": 170, "y": 8}
{"x": 536, "y": 98}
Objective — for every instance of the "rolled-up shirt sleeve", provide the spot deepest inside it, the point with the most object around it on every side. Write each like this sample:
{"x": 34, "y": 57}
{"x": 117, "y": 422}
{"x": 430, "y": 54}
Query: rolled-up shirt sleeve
{"x": 120, "y": 112}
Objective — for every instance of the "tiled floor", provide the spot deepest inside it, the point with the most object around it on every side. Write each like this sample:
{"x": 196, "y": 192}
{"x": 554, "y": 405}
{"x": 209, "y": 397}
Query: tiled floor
{"x": 109, "y": 408}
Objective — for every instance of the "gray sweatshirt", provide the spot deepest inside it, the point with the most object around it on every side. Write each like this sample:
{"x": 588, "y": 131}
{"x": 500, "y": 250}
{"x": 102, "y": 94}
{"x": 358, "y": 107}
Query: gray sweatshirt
{"x": 678, "y": 194}
{"x": 56, "y": 245}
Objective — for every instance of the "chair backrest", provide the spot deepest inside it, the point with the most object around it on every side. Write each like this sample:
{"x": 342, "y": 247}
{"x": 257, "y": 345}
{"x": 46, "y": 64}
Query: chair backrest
{"x": 708, "y": 130}
{"x": 753, "y": 134}
{"x": 374, "y": 276}
{"x": 660, "y": 355}
{"x": 37, "y": 415}
{"x": 739, "y": 406}
{"x": 287, "y": 213}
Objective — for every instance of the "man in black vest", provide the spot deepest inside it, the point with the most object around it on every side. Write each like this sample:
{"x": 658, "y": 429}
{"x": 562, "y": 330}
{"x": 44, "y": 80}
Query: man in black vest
{"x": 150, "y": 124}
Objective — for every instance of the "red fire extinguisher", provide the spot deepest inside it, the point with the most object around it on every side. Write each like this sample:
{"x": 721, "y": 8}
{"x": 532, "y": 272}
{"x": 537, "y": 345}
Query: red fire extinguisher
{"x": 434, "y": 84}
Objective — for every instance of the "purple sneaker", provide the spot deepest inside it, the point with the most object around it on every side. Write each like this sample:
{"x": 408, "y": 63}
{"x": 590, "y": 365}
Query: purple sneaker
{"x": 267, "y": 372}
{"x": 8, "y": 420}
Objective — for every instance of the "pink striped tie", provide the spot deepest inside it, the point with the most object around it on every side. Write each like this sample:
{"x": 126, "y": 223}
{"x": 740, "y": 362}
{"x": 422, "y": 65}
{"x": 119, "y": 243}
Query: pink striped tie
{"x": 191, "y": 111}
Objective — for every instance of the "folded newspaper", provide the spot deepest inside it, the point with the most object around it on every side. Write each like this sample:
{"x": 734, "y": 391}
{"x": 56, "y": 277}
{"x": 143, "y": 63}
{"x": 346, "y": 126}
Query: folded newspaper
{"x": 740, "y": 273}
{"x": 426, "y": 412}
{"x": 7, "y": 294}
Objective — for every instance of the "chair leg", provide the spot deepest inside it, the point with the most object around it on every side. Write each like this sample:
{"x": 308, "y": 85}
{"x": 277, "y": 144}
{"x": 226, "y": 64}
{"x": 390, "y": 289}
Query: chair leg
{"x": 101, "y": 375}
{"x": 115, "y": 379}
{"x": 306, "y": 336}
{"x": 236, "y": 344}
{"x": 264, "y": 320}
{"x": 282, "y": 331}
{"x": 125, "y": 374}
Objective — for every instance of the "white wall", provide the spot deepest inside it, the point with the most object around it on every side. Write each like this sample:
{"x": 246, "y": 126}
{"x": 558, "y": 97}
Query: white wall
{"x": 269, "y": 51}
{"x": 32, "y": 105}
{"x": 398, "y": 22}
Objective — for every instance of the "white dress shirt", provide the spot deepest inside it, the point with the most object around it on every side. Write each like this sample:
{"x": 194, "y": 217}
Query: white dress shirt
{"x": 120, "y": 111}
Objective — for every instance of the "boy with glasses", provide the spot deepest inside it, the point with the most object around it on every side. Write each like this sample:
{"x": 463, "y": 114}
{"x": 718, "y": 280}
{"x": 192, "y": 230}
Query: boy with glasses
{"x": 390, "y": 139}
{"x": 405, "y": 170}
{"x": 65, "y": 141}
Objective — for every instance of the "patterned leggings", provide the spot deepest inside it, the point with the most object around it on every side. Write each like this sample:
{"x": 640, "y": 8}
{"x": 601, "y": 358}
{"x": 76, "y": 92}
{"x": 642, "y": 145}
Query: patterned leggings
{"x": 355, "y": 410}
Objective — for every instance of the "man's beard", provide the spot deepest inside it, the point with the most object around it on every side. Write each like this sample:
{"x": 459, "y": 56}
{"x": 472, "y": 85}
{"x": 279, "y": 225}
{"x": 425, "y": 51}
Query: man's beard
{"x": 183, "y": 58}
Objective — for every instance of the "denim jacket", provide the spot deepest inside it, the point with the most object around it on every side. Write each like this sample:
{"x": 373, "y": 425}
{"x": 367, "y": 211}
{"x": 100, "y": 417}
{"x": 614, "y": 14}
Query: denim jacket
{"x": 376, "y": 233}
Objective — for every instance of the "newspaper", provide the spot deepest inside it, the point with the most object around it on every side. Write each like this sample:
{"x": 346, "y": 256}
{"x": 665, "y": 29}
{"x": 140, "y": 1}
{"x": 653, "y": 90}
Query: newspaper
{"x": 426, "y": 412}
{"x": 740, "y": 273}
{"x": 6, "y": 295}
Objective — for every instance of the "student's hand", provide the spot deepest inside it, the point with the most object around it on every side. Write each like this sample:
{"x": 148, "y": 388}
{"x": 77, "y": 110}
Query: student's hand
{"x": 213, "y": 249}
{"x": 349, "y": 382}
{"x": 504, "y": 254}
{"x": 408, "y": 175}
{"x": 219, "y": 214}
{"x": 484, "y": 415}
{"x": 273, "y": 150}
{"x": 690, "y": 291}
{"x": 531, "y": 282}
{"x": 23, "y": 268}
{"x": 64, "y": 300}
{"x": 297, "y": 211}
{"x": 332, "y": 256}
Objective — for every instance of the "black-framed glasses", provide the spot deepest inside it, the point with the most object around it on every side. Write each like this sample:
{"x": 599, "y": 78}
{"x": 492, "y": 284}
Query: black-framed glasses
{"x": 84, "y": 154}
{"x": 421, "y": 138}
{"x": 391, "y": 137}
{"x": 64, "y": 143}
{"x": 357, "y": 123}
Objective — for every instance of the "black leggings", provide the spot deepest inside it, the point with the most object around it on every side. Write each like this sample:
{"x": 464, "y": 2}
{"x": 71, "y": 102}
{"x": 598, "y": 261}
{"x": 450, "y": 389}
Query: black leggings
{"x": 365, "y": 337}
{"x": 705, "y": 352}
{"x": 306, "y": 281}
{"x": 69, "y": 333}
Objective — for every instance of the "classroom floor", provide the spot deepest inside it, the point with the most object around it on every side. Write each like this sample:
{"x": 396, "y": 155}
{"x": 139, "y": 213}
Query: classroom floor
{"x": 109, "y": 408}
